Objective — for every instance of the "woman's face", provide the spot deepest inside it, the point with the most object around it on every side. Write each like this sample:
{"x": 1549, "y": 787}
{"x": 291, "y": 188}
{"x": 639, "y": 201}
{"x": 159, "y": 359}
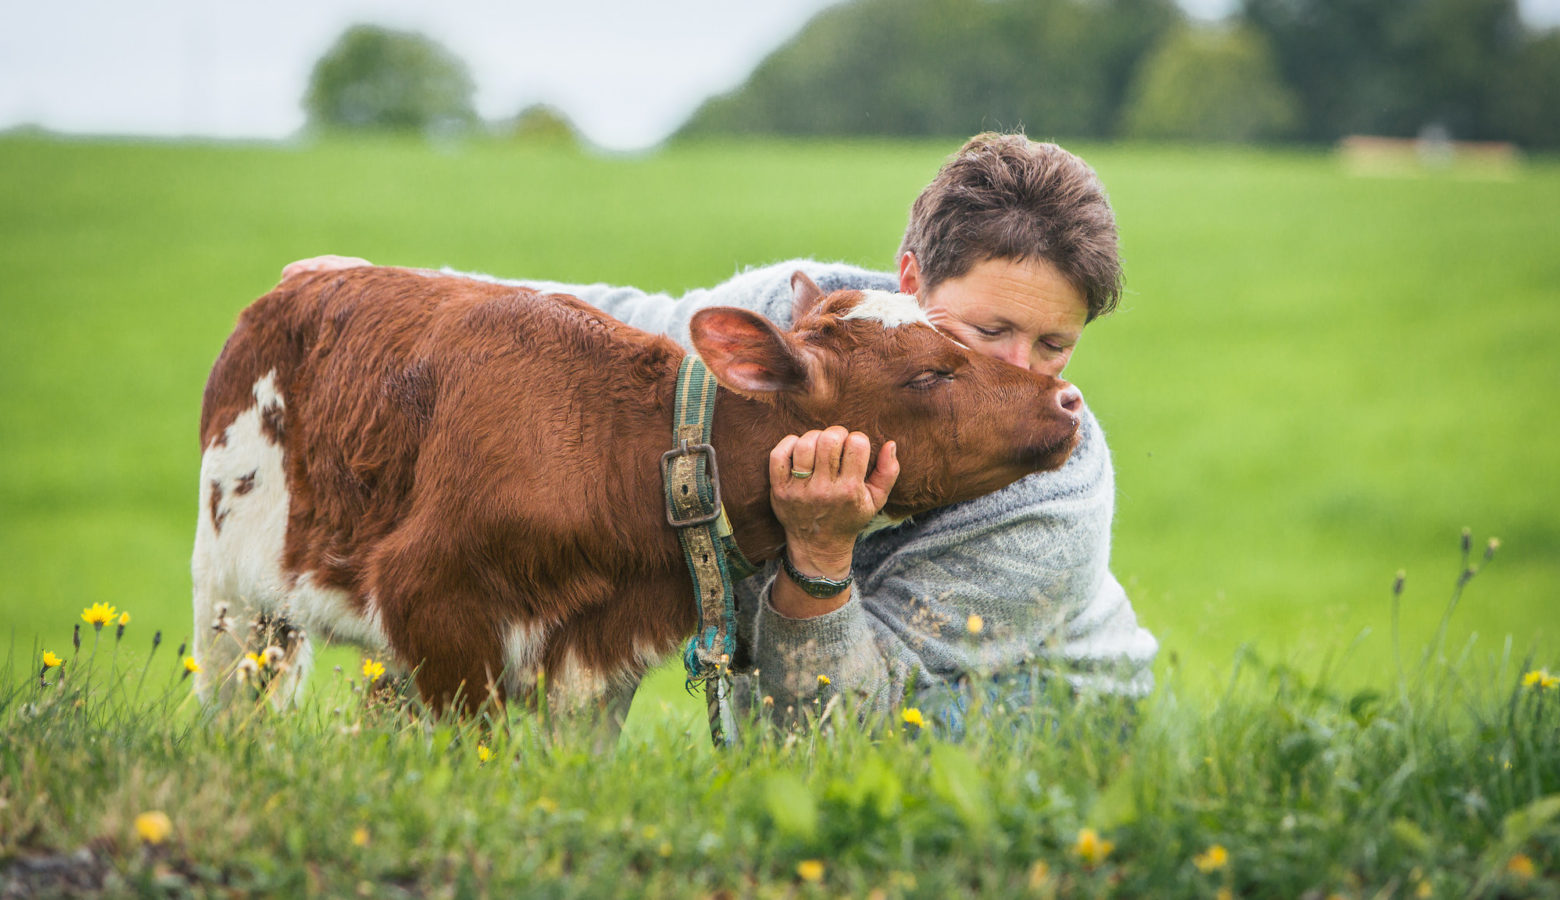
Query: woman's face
{"x": 1024, "y": 313}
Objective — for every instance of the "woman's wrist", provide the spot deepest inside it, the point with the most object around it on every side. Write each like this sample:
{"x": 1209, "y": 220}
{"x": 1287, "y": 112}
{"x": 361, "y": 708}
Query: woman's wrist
{"x": 821, "y": 561}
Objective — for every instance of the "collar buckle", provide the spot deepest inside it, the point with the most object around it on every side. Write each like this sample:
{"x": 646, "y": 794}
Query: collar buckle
{"x": 687, "y": 486}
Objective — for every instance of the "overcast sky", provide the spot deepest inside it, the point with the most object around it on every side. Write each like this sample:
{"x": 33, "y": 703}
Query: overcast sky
{"x": 627, "y": 72}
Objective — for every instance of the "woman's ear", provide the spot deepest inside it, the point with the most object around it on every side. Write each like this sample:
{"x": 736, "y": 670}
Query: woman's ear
{"x": 909, "y": 274}
{"x": 746, "y": 352}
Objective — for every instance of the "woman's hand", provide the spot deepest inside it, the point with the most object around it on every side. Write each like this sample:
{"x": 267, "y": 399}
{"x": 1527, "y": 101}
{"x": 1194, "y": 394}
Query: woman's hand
{"x": 824, "y": 496}
{"x": 322, "y": 264}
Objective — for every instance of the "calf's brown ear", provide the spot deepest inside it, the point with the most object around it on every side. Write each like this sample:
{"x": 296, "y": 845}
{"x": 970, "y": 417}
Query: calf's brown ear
{"x": 746, "y": 352}
{"x": 805, "y": 294}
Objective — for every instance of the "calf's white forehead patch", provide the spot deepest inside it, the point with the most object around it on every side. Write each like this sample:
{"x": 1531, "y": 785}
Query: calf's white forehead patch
{"x": 888, "y": 308}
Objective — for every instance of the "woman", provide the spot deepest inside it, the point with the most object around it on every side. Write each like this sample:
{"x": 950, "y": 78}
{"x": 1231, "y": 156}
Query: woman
{"x": 1011, "y": 250}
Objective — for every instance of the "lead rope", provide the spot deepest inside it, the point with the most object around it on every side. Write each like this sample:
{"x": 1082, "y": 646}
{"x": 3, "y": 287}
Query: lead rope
{"x": 693, "y": 507}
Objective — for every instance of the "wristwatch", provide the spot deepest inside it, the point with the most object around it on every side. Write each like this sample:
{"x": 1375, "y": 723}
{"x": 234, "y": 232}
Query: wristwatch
{"x": 815, "y": 585}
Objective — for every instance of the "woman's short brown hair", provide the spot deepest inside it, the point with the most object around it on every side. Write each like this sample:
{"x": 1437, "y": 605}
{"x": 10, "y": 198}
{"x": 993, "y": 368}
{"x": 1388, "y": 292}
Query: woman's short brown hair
{"x": 1003, "y": 196}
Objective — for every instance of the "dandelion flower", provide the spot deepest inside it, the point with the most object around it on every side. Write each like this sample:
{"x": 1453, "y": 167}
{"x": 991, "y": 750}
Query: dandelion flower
{"x": 1521, "y": 866}
{"x": 372, "y": 670}
{"x": 1540, "y": 679}
{"x": 1091, "y": 848}
{"x": 810, "y": 870}
{"x": 98, "y": 614}
{"x": 483, "y": 753}
{"x": 1039, "y": 874}
{"x": 257, "y": 659}
{"x": 1212, "y": 859}
{"x": 974, "y": 624}
{"x": 50, "y": 660}
{"x": 360, "y": 836}
{"x": 273, "y": 656}
{"x": 124, "y": 619}
{"x": 190, "y": 665}
{"x": 823, "y": 681}
{"x": 153, "y": 827}
{"x": 912, "y": 716}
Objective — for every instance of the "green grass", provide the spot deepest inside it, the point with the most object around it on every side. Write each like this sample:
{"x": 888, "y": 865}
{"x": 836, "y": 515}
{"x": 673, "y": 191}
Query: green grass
{"x": 1316, "y": 380}
{"x": 1304, "y": 790}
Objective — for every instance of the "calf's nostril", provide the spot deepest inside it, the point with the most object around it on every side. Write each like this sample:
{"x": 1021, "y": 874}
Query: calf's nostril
{"x": 1069, "y": 399}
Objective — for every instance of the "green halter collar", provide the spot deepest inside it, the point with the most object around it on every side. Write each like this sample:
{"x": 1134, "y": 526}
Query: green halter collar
{"x": 693, "y": 507}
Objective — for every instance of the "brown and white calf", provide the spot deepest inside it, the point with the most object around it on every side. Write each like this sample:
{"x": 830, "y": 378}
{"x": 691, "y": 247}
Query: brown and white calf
{"x": 464, "y": 477}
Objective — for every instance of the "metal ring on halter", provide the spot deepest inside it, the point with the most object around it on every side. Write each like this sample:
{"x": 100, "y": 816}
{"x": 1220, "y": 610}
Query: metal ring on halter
{"x": 798, "y": 473}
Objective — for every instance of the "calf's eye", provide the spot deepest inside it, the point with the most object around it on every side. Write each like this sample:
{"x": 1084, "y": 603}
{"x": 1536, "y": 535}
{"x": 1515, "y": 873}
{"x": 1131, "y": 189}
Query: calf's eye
{"x": 930, "y": 379}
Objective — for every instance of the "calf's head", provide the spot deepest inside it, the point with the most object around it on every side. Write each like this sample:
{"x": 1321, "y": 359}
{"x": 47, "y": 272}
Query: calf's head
{"x": 964, "y": 424}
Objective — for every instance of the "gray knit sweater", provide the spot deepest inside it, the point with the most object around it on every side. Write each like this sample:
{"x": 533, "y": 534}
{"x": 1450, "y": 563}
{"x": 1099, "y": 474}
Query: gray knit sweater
{"x": 1032, "y": 560}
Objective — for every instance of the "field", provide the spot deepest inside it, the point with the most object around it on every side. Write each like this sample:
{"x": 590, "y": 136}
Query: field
{"x": 1316, "y": 381}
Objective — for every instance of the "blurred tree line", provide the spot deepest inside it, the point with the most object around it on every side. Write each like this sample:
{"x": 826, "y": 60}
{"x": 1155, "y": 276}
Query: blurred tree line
{"x": 1313, "y": 70}
{"x": 380, "y": 79}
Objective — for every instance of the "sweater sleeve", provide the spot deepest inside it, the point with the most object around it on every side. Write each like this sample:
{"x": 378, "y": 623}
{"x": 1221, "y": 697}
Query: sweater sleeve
{"x": 765, "y": 290}
{"x": 855, "y": 651}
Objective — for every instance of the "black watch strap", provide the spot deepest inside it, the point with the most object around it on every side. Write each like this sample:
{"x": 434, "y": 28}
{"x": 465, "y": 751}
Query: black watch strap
{"x": 815, "y": 585}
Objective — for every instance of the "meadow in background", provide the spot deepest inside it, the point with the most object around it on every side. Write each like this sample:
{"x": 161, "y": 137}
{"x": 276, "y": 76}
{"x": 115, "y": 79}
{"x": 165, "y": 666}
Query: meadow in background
{"x": 1316, "y": 380}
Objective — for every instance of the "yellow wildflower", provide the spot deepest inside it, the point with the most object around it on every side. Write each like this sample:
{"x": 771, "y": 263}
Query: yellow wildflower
{"x": 974, "y": 624}
{"x": 257, "y": 659}
{"x": 1039, "y": 874}
{"x": 823, "y": 681}
{"x": 1540, "y": 679}
{"x": 483, "y": 753}
{"x": 190, "y": 665}
{"x": 1212, "y": 859}
{"x": 50, "y": 660}
{"x": 373, "y": 671}
{"x": 810, "y": 870}
{"x": 153, "y": 827}
{"x": 98, "y": 614}
{"x": 124, "y": 619}
{"x": 547, "y": 804}
{"x": 360, "y": 836}
{"x": 1423, "y": 890}
{"x": 1091, "y": 848}
{"x": 1223, "y": 893}
{"x": 912, "y": 716}
{"x": 1521, "y": 866}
